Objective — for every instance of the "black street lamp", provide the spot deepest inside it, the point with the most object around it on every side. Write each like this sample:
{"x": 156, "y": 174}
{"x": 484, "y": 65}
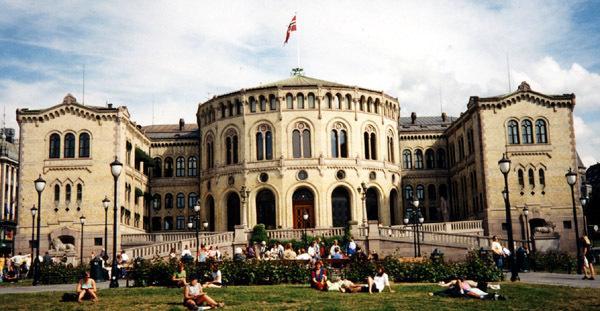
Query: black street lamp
{"x": 205, "y": 225}
{"x": 82, "y": 221}
{"x": 504, "y": 166}
{"x": 106, "y": 205}
{"x": 33, "y": 213}
{"x": 584, "y": 200}
{"x": 197, "y": 222}
{"x": 571, "y": 177}
{"x": 415, "y": 218}
{"x": 526, "y": 215}
{"x": 115, "y": 169}
{"x": 305, "y": 220}
{"x": 40, "y": 184}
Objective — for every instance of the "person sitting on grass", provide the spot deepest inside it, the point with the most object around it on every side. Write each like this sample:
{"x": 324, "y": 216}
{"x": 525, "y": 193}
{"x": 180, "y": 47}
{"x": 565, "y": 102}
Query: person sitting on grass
{"x": 289, "y": 253}
{"x": 216, "y": 278}
{"x": 337, "y": 254}
{"x": 193, "y": 297}
{"x": 11, "y": 274}
{"x": 86, "y": 288}
{"x": 179, "y": 276}
{"x": 318, "y": 278}
{"x": 378, "y": 282}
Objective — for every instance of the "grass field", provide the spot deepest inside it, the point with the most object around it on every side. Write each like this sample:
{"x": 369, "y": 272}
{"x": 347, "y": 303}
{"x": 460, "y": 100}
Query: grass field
{"x": 298, "y": 297}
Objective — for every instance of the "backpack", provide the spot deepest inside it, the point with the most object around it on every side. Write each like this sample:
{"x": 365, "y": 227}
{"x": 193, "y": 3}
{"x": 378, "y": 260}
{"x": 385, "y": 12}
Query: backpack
{"x": 69, "y": 297}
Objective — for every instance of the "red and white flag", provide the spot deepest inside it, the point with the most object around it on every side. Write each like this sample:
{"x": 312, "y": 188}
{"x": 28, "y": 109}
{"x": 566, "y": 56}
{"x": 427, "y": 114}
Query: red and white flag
{"x": 291, "y": 27}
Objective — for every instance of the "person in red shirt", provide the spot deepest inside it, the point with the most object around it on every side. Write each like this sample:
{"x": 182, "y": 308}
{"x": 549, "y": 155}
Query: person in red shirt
{"x": 318, "y": 278}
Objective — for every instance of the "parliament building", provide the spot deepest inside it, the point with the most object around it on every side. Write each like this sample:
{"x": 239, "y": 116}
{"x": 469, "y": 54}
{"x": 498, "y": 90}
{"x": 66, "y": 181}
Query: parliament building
{"x": 273, "y": 153}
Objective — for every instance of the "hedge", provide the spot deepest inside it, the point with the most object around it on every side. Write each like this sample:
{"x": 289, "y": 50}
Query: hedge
{"x": 552, "y": 261}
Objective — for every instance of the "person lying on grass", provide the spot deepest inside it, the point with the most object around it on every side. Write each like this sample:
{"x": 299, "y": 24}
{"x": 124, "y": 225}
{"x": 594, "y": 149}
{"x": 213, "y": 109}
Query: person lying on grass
{"x": 193, "y": 296}
{"x": 86, "y": 288}
{"x": 378, "y": 282}
{"x": 461, "y": 287}
{"x": 343, "y": 286}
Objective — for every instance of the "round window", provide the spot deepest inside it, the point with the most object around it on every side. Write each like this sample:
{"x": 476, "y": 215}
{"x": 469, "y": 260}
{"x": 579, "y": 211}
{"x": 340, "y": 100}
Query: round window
{"x": 372, "y": 175}
{"x": 263, "y": 177}
{"x": 302, "y": 175}
{"x": 340, "y": 174}
{"x": 230, "y": 180}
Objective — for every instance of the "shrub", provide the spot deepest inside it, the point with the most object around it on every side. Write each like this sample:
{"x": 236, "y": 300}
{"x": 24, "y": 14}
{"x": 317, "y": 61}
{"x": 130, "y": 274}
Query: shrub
{"x": 259, "y": 234}
{"x": 60, "y": 273}
{"x": 552, "y": 261}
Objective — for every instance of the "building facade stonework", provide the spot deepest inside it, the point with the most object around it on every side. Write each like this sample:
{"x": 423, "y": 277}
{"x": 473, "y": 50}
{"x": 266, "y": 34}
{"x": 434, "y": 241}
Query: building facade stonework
{"x": 300, "y": 146}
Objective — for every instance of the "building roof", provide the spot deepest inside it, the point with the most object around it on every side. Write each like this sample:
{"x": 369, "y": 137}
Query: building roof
{"x": 171, "y": 131}
{"x": 427, "y": 123}
{"x": 299, "y": 80}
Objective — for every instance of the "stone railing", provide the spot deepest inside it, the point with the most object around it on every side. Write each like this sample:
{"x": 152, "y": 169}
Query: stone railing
{"x": 468, "y": 226}
{"x": 289, "y": 234}
{"x": 163, "y": 249}
{"x": 145, "y": 238}
{"x": 439, "y": 238}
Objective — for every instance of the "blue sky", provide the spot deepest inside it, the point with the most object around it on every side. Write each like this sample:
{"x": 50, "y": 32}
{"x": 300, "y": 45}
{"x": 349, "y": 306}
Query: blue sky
{"x": 168, "y": 56}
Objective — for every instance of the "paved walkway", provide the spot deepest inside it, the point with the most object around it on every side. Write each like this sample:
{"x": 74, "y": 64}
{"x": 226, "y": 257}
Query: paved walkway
{"x": 50, "y": 288}
{"x": 573, "y": 280}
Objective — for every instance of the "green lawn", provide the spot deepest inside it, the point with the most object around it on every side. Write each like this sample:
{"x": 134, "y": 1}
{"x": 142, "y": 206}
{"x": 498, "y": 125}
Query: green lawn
{"x": 298, "y": 297}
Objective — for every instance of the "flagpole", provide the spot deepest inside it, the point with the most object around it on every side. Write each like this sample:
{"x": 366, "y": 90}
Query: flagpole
{"x": 297, "y": 41}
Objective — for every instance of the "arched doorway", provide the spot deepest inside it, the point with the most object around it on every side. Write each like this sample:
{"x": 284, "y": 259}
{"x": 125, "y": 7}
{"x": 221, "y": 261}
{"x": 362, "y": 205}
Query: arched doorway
{"x": 372, "y": 204}
{"x": 233, "y": 211}
{"x": 265, "y": 209}
{"x": 393, "y": 206}
{"x": 156, "y": 223}
{"x": 210, "y": 214}
{"x": 303, "y": 201}
{"x": 340, "y": 207}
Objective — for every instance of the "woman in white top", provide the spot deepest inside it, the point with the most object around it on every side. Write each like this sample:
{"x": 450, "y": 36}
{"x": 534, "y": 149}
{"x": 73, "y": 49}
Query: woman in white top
{"x": 193, "y": 296}
{"x": 86, "y": 288}
{"x": 378, "y": 282}
{"x": 216, "y": 278}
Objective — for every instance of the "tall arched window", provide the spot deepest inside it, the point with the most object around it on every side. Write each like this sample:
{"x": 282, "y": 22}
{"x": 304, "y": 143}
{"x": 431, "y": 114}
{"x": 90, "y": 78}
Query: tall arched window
{"x": 339, "y": 141}
{"x": 390, "y": 147}
{"x": 361, "y": 103}
{"x": 540, "y": 132}
{"x": 54, "y": 152}
{"x": 526, "y": 131}
{"x": 252, "y": 103}
{"x": 289, "y": 101}
{"x": 370, "y": 143}
{"x": 406, "y": 159}
{"x": 230, "y": 108}
{"x": 69, "y": 151}
{"x": 56, "y": 194}
{"x": 192, "y": 200}
{"x": 419, "y": 159}
{"x": 156, "y": 201}
{"x": 301, "y": 147}
{"x": 300, "y": 99}
{"x": 157, "y": 169}
{"x": 337, "y": 102}
{"x": 180, "y": 200}
{"x": 542, "y": 177}
{"x": 327, "y": 101}
{"x": 429, "y": 159}
{"x": 348, "y": 102}
{"x": 531, "y": 176}
{"x": 238, "y": 107}
{"x": 369, "y": 104}
{"x": 192, "y": 166}
{"x": 521, "y": 178}
{"x": 79, "y": 193}
{"x": 264, "y": 143}
{"x": 272, "y": 102}
{"x": 513, "y": 132}
{"x": 311, "y": 100}
{"x": 408, "y": 193}
{"x": 68, "y": 193}
{"x": 441, "y": 158}
{"x": 222, "y": 109}
{"x": 168, "y": 201}
{"x": 84, "y": 145}
{"x": 420, "y": 192}
{"x": 231, "y": 146}
{"x": 180, "y": 167}
{"x": 168, "y": 167}
{"x": 263, "y": 103}
{"x": 210, "y": 153}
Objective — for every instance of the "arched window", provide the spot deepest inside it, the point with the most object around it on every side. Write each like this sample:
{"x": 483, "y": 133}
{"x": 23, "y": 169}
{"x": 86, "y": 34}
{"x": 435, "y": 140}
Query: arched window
{"x": 420, "y": 192}
{"x": 441, "y": 158}
{"x": 526, "y": 131}
{"x": 300, "y": 99}
{"x": 376, "y": 106}
{"x": 265, "y": 209}
{"x": 157, "y": 169}
{"x": 390, "y": 147}
{"x": 272, "y": 102}
{"x": 79, "y": 193}
{"x": 230, "y": 108}
{"x": 531, "y": 175}
{"x": 429, "y": 159}
{"x": 327, "y": 101}
{"x": 521, "y": 178}
{"x": 289, "y": 101}
{"x": 192, "y": 166}
{"x": 540, "y": 132}
{"x": 222, "y": 109}
{"x": 238, "y": 107}
{"x": 369, "y": 104}
{"x": 180, "y": 167}
{"x": 264, "y": 143}
{"x": 301, "y": 147}
{"x": 168, "y": 201}
{"x": 69, "y": 151}
{"x": 180, "y": 200}
{"x": 348, "y": 102}
{"x": 311, "y": 100}
{"x": 419, "y": 159}
{"x": 168, "y": 167}
{"x": 252, "y": 103}
{"x": 370, "y": 143}
{"x": 406, "y": 159}
{"x": 361, "y": 103}
{"x": 84, "y": 145}
{"x": 513, "y": 132}
{"x": 56, "y": 194}
{"x": 231, "y": 146}
{"x": 210, "y": 153}
{"x": 263, "y": 103}
{"x": 233, "y": 211}
{"x": 542, "y": 177}
{"x": 156, "y": 201}
{"x": 337, "y": 102}
{"x": 68, "y": 193}
{"x": 192, "y": 200}
{"x": 372, "y": 203}
{"x": 408, "y": 193}
{"x": 54, "y": 152}
{"x": 339, "y": 142}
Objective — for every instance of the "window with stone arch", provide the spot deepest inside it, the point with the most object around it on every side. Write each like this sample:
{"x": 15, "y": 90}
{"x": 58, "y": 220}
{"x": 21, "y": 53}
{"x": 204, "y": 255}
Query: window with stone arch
{"x": 390, "y": 147}
{"x": 301, "y": 146}
{"x": 180, "y": 167}
{"x": 272, "y": 102}
{"x": 252, "y": 103}
{"x": 69, "y": 151}
{"x": 54, "y": 152}
{"x": 84, "y": 145}
{"x": 311, "y": 100}
{"x": 231, "y": 146}
{"x": 369, "y": 104}
{"x": 337, "y": 101}
{"x": 180, "y": 201}
{"x": 192, "y": 166}
{"x": 289, "y": 101}
{"x": 419, "y": 159}
{"x": 531, "y": 177}
{"x": 513, "y": 132}
{"x": 541, "y": 136}
{"x": 327, "y": 101}
{"x": 264, "y": 142}
{"x": 429, "y": 159}
{"x": 370, "y": 143}
{"x": 406, "y": 159}
{"x": 210, "y": 152}
{"x": 527, "y": 132}
{"x": 348, "y": 102}
{"x": 262, "y": 103}
{"x": 230, "y": 108}
{"x": 361, "y": 103}
{"x": 339, "y": 141}
{"x": 300, "y": 101}
{"x": 542, "y": 177}
{"x": 521, "y": 178}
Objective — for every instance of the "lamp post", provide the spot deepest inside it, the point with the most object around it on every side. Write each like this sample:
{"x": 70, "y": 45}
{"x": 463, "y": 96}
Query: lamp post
{"x": 305, "y": 219}
{"x": 205, "y": 225}
{"x": 571, "y": 177}
{"x": 190, "y": 225}
{"x": 106, "y": 205}
{"x": 415, "y": 218}
{"x": 584, "y": 200}
{"x": 197, "y": 222}
{"x": 526, "y": 215}
{"x": 82, "y": 221}
{"x": 363, "y": 190}
{"x": 40, "y": 184}
{"x": 245, "y": 194}
{"x": 504, "y": 166}
{"x": 115, "y": 169}
{"x": 33, "y": 213}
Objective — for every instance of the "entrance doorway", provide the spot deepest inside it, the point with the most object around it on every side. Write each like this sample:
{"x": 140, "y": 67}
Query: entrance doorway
{"x": 303, "y": 202}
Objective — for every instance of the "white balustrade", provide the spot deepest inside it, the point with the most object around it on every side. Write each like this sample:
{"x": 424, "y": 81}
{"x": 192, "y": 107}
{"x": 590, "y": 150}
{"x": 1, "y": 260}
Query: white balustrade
{"x": 290, "y": 234}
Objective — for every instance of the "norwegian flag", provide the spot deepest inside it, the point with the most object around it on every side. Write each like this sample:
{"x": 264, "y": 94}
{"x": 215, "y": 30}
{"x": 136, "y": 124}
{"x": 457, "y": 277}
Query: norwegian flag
{"x": 291, "y": 27}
